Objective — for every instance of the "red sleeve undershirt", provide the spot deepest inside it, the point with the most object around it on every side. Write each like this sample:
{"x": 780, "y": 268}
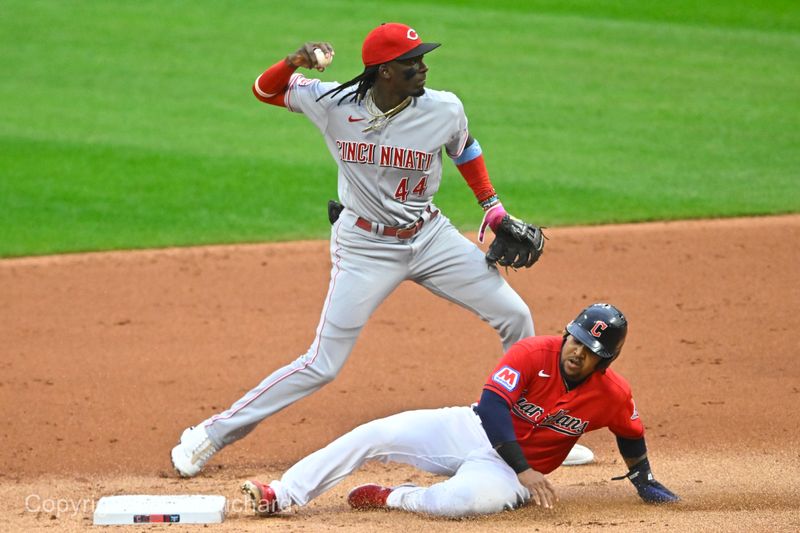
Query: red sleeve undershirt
{"x": 274, "y": 81}
{"x": 477, "y": 177}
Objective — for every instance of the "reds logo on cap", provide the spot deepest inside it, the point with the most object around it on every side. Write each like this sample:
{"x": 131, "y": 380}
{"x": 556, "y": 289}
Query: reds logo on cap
{"x": 392, "y": 41}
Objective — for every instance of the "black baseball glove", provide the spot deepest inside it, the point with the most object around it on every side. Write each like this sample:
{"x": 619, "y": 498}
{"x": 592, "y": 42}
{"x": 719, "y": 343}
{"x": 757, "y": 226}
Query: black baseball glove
{"x": 516, "y": 244}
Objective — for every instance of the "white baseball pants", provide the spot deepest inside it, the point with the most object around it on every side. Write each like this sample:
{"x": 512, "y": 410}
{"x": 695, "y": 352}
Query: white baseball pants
{"x": 365, "y": 269}
{"x": 448, "y": 441}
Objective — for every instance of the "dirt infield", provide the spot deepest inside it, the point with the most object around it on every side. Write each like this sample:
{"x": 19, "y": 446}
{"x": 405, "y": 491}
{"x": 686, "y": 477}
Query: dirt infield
{"x": 107, "y": 357}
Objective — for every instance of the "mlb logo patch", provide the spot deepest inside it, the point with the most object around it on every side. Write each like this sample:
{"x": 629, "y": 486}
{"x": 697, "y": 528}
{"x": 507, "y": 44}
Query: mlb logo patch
{"x": 506, "y": 377}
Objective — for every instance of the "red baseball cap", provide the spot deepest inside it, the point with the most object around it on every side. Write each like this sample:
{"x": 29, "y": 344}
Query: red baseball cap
{"x": 392, "y": 41}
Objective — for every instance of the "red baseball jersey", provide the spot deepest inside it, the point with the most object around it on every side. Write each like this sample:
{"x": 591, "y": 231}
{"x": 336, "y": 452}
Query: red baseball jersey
{"x": 547, "y": 418}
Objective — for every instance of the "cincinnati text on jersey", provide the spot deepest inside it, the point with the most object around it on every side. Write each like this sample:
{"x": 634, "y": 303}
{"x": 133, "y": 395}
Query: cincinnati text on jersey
{"x": 559, "y": 421}
{"x": 390, "y": 156}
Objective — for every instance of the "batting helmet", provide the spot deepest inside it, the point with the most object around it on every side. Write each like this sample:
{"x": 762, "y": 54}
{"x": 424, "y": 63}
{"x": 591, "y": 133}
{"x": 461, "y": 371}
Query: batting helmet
{"x": 601, "y": 328}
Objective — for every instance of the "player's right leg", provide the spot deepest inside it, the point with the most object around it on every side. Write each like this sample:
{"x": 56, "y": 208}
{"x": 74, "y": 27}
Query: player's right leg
{"x": 363, "y": 274}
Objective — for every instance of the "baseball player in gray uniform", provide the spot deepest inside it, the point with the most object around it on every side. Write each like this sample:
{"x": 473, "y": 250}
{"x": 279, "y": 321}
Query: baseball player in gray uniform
{"x": 386, "y": 131}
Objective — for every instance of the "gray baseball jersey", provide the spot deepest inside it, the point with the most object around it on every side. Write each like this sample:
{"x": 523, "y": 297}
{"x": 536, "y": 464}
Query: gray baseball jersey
{"x": 388, "y": 175}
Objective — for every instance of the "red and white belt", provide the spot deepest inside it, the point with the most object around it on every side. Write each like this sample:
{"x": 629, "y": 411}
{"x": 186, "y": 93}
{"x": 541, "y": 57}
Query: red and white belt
{"x": 402, "y": 232}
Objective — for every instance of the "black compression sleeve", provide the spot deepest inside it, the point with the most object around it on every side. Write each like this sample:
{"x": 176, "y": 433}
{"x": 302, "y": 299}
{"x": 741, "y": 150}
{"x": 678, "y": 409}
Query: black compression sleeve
{"x": 631, "y": 448}
{"x": 512, "y": 454}
{"x": 496, "y": 418}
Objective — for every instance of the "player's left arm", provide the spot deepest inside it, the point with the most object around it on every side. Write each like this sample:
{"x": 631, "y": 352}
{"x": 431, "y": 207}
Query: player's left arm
{"x": 629, "y": 431}
{"x": 466, "y": 153}
{"x": 517, "y": 244}
{"x": 472, "y": 166}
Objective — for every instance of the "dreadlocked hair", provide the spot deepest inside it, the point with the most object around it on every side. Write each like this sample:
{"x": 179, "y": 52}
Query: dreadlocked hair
{"x": 363, "y": 82}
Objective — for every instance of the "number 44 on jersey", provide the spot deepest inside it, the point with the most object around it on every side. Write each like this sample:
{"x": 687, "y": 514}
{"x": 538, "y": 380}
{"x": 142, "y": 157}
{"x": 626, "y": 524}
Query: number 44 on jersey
{"x": 401, "y": 193}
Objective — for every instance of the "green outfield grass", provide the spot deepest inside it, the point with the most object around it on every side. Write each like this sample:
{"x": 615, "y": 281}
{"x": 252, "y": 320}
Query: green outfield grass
{"x": 131, "y": 124}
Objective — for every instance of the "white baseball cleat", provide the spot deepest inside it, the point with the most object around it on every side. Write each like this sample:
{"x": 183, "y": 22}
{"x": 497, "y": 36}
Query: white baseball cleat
{"x": 578, "y": 455}
{"x": 193, "y": 451}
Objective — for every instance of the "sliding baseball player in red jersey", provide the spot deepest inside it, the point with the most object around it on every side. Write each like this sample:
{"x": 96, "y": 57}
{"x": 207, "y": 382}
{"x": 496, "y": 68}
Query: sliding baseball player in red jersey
{"x": 543, "y": 395}
{"x": 388, "y": 134}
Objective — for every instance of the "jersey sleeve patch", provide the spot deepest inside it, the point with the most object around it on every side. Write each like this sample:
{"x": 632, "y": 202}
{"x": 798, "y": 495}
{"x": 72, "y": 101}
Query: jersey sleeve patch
{"x": 506, "y": 377}
{"x": 635, "y": 414}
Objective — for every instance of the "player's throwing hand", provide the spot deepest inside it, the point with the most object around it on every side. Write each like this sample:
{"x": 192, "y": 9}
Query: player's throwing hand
{"x": 312, "y": 55}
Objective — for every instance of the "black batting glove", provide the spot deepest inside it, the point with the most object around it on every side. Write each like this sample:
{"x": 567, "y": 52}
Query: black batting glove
{"x": 650, "y": 490}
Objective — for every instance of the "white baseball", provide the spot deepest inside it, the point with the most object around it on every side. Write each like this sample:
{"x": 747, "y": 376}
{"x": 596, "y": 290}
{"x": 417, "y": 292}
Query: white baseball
{"x": 322, "y": 61}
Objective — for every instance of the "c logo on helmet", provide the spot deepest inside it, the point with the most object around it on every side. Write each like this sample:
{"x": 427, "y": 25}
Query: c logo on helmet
{"x": 412, "y": 34}
{"x": 598, "y": 328}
